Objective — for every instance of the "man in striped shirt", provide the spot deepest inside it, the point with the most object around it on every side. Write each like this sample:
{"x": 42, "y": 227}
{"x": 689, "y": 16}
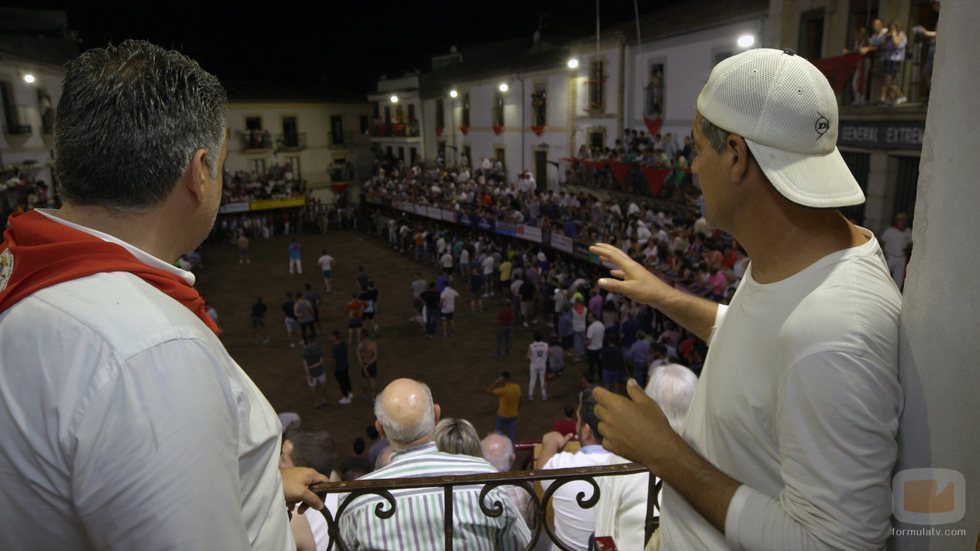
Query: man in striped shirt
{"x": 406, "y": 416}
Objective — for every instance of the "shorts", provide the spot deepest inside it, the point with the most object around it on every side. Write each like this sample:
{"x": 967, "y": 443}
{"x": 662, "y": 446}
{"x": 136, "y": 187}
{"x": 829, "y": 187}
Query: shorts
{"x": 890, "y": 67}
{"x": 353, "y": 324}
{"x": 368, "y": 315}
{"x": 610, "y": 377}
{"x": 327, "y": 274}
{"x": 257, "y": 322}
{"x": 314, "y": 380}
{"x": 372, "y": 370}
{"x": 448, "y": 316}
{"x": 292, "y": 325}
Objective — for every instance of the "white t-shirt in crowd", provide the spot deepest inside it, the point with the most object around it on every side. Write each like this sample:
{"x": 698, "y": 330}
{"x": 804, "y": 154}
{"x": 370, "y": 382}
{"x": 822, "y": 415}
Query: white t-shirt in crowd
{"x": 799, "y": 401}
{"x": 538, "y": 353}
{"x": 325, "y": 262}
{"x": 896, "y": 241}
{"x": 573, "y": 524}
{"x": 447, "y": 300}
{"x": 622, "y": 509}
{"x": 464, "y": 258}
{"x": 595, "y": 334}
{"x": 447, "y": 260}
{"x": 488, "y": 265}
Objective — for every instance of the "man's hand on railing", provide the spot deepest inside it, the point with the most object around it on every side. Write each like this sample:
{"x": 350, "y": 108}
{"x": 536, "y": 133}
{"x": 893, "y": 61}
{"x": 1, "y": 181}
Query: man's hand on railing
{"x": 635, "y": 427}
{"x": 296, "y": 482}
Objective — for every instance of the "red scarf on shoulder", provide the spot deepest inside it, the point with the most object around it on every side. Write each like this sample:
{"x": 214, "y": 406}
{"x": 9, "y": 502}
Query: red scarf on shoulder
{"x": 37, "y": 253}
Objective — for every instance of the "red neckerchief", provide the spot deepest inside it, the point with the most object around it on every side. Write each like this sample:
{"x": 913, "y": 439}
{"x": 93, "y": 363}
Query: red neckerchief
{"x": 46, "y": 253}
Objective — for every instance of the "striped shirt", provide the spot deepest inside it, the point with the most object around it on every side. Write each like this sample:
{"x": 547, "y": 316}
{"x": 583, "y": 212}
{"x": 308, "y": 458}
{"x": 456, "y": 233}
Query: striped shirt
{"x": 418, "y": 519}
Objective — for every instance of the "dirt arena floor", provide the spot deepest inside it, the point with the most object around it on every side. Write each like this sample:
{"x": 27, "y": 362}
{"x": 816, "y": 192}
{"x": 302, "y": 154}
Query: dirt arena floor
{"x": 458, "y": 369}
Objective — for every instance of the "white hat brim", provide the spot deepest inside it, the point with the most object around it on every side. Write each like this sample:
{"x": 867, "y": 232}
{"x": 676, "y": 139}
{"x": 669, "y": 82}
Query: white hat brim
{"x": 818, "y": 181}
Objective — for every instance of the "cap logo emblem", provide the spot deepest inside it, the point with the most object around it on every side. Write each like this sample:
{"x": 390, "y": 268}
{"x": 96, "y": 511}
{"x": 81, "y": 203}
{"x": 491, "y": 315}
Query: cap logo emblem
{"x": 821, "y": 126}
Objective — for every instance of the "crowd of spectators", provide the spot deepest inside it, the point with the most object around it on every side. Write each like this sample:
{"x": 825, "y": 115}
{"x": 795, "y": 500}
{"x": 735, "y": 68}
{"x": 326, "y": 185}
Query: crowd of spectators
{"x": 21, "y": 190}
{"x": 279, "y": 182}
{"x": 657, "y": 166}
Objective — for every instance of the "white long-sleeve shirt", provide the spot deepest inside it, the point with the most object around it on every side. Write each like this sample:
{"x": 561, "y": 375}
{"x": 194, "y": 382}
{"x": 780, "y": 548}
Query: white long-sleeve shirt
{"x": 126, "y": 425}
{"x": 799, "y": 401}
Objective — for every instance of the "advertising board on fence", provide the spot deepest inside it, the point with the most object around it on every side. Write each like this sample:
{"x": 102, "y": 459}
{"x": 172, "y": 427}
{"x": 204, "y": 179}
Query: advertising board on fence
{"x": 530, "y": 233}
{"x": 562, "y": 243}
{"x": 504, "y": 228}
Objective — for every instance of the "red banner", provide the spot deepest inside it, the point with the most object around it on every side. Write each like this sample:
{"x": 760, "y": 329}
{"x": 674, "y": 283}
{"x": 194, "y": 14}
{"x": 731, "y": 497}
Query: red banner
{"x": 839, "y": 69}
{"x": 655, "y": 178}
{"x": 653, "y": 125}
{"x": 538, "y": 130}
{"x": 620, "y": 172}
{"x": 464, "y": 129}
{"x": 497, "y": 129}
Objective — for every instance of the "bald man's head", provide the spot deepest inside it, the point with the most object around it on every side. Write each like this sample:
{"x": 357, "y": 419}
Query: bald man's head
{"x": 406, "y": 413}
{"x": 498, "y": 450}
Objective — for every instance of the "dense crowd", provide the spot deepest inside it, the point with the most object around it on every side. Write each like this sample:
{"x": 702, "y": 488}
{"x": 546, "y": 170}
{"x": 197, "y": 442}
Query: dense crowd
{"x": 21, "y": 190}
{"x": 279, "y": 182}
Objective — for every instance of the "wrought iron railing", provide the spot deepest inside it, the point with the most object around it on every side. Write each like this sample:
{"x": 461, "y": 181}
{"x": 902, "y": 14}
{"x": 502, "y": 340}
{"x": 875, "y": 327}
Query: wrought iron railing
{"x": 387, "y": 488}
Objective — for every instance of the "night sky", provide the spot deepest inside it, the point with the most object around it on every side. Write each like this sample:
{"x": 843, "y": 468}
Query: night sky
{"x": 349, "y": 43}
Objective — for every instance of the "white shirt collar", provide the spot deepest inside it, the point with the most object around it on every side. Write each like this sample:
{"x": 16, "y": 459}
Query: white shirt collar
{"x": 142, "y": 256}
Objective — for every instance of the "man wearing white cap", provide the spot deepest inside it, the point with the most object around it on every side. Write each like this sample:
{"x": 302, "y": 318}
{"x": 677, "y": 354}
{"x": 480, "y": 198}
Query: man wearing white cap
{"x": 791, "y": 438}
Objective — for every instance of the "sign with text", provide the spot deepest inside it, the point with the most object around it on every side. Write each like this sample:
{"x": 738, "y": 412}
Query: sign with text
{"x": 562, "y": 243}
{"x": 881, "y": 135}
{"x": 506, "y": 228}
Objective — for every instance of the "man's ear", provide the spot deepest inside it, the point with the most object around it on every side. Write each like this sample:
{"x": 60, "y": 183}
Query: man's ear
{"x": 381, "y": 430}
{"x": 738, "y": 153}
{"x": 197, "y": 174}
{"x": 436, "y": 412}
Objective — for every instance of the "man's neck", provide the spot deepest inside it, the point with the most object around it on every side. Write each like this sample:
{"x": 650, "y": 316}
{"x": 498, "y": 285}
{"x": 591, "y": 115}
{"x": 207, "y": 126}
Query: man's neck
{"x": 146, "y": 231}
{"x": 792, "y": 238}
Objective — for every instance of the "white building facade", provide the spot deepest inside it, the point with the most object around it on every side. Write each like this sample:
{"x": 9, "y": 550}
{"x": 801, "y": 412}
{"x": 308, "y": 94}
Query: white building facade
{"x": 30, "y": 92}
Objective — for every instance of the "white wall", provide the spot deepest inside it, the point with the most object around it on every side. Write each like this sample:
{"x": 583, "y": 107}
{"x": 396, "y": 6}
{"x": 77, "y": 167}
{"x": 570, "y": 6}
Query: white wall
{"x": 312, "y": 119}
{"x": 688, "y": 60}
{"x": 940, "y": 351}
{"x": 609, "y": 118}
{"x": 36, "y": 146}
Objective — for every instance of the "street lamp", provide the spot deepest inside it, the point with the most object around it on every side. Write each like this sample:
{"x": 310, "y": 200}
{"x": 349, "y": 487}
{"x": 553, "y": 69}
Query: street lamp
{"x": 394, "y": 99}
{"x": 573, "y": 63}
{"x": 29, "y": 78}
{"x": 453, "y": 93}
{"x": 503, "y": 87}
{"x": 746, "y": 41}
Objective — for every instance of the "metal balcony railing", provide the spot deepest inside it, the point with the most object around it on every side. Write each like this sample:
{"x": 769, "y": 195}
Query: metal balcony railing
{"x": 291, "y": 140}
{"x": 388, "y": 488}
{"x": 255, "y": 139}
{"x": 409, "y": 129}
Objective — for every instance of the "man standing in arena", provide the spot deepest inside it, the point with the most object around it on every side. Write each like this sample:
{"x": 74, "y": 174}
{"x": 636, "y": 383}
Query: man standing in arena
{"x": 151, "y": 422}
{"x": 341, "y": 367}
{"x": 508, "y": 405}
{"x": 790, "y": 441}
{"x": 537, "y": 353}
{"x": 367, "y": 357}
{"x": 295, "y": 262}
{"x": 326, "y": 269}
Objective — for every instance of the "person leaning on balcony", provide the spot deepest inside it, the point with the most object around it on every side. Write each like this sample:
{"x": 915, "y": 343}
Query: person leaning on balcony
{"x": 406, "y": 415}
{"x": 573, "y": 524}
{"x": 792, "y": 436}
{"x": 621, "y": 512}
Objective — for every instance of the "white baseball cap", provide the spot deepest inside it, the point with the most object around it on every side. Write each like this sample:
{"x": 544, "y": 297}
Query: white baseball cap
{"x": 787, "y": 112}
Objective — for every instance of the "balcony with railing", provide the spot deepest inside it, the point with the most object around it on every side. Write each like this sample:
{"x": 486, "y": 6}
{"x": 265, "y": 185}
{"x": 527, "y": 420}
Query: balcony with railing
{"x": 409, "y": 129}
{"x": 291, "y": 141}
{"x": 391, "y": 491}
{"x": 255, "y": 140}
{"x": 342, "y": 140}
